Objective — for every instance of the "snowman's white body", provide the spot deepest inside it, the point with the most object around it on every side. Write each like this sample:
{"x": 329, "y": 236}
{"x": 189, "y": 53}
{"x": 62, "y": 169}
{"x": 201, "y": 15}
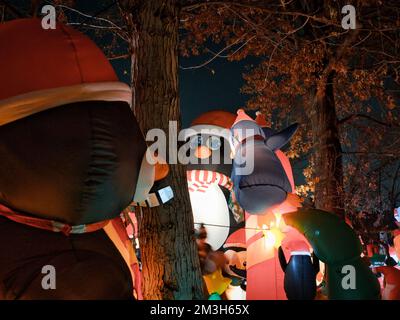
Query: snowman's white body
{"x": 209, "y": 206}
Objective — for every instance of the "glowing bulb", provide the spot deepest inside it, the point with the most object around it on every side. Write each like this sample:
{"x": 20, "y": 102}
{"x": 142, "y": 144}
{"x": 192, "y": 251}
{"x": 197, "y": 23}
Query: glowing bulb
{"x": 270, "y": 238}
{"x": 272, "y": 224}
{"x": 264, "y": 229}
{"x": 278, "y": 217}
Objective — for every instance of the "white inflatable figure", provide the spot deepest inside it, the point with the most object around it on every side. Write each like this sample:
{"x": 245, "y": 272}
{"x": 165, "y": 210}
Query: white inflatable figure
{"x": 209, "y": 178}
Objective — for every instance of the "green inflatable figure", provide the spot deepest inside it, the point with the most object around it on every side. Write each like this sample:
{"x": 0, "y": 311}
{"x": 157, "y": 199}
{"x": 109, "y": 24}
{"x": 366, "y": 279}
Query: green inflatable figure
{"x": 336, "y": 244}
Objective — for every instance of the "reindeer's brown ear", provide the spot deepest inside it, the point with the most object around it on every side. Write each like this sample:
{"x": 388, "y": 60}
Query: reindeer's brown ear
{"x": 278, "y": 140}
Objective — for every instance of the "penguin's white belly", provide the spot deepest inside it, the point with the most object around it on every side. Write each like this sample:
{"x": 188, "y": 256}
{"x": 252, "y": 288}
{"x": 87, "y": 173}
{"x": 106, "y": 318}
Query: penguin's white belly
{"x": 210, "y": 207}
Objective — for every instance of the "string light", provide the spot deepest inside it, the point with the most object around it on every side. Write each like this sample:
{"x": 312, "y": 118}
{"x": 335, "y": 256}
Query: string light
{"x": 230, "y": 227}
{"x": 278, "y": 217}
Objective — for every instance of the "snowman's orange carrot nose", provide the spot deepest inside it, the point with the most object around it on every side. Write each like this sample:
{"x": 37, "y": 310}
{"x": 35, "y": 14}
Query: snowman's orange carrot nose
{"x": 202, "y": 152}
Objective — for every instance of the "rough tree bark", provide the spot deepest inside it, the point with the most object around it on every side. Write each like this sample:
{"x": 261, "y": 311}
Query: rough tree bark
{"x": 328, "y": 167}
{"x": 171, "y": 268}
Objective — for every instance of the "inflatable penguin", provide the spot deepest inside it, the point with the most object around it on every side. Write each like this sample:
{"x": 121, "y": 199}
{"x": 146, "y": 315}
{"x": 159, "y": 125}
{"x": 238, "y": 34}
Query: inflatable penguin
{"x": 235, "y": 267}
{"x": 208, "y": 176}
{"x": 235, "y": 252}
{"x": 300, "y": 271}
{"x": 72, "y": 159}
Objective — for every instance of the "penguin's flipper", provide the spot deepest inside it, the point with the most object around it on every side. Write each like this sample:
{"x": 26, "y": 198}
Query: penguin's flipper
{"x": 315, "y": 262}
{"x": 282, "y": 259}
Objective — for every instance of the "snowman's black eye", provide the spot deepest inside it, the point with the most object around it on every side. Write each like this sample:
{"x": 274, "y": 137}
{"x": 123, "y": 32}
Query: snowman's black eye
{"x": 214, "y": 143}
{"x": 196, "y": 141}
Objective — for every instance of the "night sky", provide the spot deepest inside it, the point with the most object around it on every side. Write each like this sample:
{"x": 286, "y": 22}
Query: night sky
{"x": 214, "y": 86}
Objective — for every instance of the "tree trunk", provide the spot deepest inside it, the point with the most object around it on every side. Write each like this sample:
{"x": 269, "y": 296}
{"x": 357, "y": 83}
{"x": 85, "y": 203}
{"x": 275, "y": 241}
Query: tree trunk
{"x": 171, "y": 268}
{"x": 328, "y": 168}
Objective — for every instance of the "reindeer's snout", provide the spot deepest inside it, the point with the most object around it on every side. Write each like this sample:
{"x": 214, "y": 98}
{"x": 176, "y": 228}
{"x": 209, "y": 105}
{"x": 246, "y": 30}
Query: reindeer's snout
{"x": 266, "y": 186}
{"x": 266, "y": 195}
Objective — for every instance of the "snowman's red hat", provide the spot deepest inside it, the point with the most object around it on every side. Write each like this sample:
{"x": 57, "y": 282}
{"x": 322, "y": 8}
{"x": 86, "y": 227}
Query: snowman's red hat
{"x": 46, "y": 68}
{"x": 242, "y": 116}
{"x": 219, "y": 118}
{"x": 217, "y": 121}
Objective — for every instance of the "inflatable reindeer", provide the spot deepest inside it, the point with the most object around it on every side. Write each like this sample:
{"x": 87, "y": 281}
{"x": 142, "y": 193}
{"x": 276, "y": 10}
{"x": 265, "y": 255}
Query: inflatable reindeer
{"x": 273, "y": 214}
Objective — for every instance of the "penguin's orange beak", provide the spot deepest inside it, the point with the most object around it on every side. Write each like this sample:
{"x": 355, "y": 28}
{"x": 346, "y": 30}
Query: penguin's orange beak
{"x": 161, "y": 171}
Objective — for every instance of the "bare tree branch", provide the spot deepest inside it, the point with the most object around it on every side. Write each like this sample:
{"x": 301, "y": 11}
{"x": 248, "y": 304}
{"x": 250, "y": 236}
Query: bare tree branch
{"x": 379, "y": 154}
{"x": 356, "y": 116}
{"x": 16, "y": 12}
{"x": 259, "y": 5}
{"x": 218, "y": 54}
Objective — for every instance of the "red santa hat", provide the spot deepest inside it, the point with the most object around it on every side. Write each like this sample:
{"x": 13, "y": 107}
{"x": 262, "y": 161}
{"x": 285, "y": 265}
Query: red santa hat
{"x": 236, "y": 239}
{"x": 260, "y": 120}
{"x": 219, "y": 118}
{"x": 215, "y": 120}
{"x": 46, "y": 68}
{"x": 242, "y": 115}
